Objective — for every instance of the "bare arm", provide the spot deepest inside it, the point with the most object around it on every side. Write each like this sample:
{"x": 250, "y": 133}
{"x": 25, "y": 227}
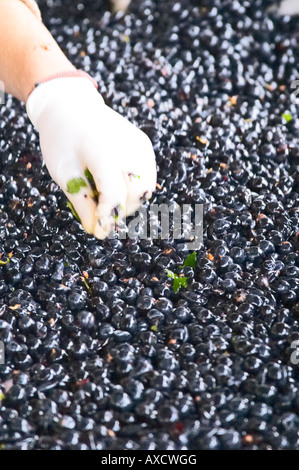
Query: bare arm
{"x": 28, "y": 52}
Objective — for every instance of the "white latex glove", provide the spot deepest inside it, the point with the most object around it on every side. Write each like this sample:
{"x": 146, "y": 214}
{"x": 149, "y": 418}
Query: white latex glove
{"x": 79, "y": 136}
{"x": 286, "y": 7}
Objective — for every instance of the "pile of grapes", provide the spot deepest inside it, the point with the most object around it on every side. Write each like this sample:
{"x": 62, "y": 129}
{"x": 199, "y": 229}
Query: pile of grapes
{"x": 103, "y": 350}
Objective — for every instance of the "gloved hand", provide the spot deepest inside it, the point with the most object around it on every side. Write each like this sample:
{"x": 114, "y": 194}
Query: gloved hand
{"x": 286, "y": 7}
{"x": 103, "y": 163}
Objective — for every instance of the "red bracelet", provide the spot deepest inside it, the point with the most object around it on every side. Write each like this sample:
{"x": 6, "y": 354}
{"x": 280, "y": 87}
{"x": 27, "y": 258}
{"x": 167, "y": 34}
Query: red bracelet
{"x": 70, "y": 73}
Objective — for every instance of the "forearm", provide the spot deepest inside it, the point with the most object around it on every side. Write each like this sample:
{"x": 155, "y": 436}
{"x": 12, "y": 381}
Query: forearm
{"x": 28, "y": 52}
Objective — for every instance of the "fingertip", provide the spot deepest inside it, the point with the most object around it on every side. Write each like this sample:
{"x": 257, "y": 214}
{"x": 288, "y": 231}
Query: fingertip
{"x": 103, "y": 227}
{"x": 85, "y": 207}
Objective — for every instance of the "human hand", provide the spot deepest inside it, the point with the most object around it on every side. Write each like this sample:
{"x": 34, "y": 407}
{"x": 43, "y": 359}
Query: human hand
{"x": 103, "y": 163}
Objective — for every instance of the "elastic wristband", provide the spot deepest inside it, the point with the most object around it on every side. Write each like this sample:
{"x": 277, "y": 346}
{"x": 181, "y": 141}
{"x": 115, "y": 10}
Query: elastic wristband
{"x": 70, "y": 73}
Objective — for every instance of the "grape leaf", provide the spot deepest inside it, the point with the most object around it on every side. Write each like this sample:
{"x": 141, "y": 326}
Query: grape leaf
{"x": 74, "y": 185}
{"x": 191, "y": 260}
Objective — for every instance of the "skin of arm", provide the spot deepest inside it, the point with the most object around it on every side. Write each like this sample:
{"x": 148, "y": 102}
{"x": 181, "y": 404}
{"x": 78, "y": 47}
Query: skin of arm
{"x": 28, "y": 52}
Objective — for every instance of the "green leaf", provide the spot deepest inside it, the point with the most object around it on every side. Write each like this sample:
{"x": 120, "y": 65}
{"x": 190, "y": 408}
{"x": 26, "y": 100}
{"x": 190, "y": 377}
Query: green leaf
{"x": 191, "y": 260}
{"x": 88, "y": 175}
{"x": 4, "y": 262}
{"x": 287, "y": 116}
{"x": 73, "y": 211}
{"x": 171, "y": 274}
{"x": 179, "y": 282}
{"x": 74, "y": 185}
